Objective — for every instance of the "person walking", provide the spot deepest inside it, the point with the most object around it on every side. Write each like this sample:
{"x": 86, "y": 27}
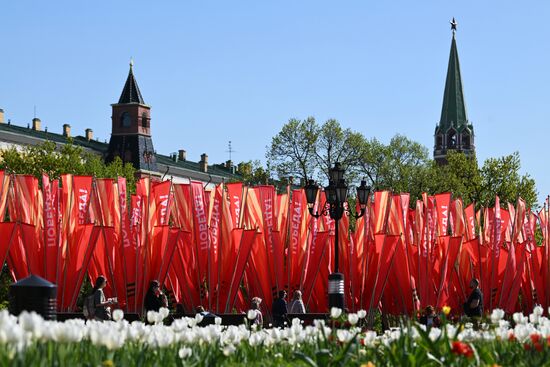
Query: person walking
{"x": 473, "y": 307}
{"x": 102, "y": 309}
{"x": 280, "y": 310}
{"x": 296, "y": 306}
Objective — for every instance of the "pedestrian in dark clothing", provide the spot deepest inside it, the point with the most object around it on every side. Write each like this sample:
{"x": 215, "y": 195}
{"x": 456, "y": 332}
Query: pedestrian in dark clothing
{"x": 473, "y": 307}
{"x": 154, "y": 298}
{"x": 280, "y": 310}
{"x": 101, "y": 304}
{"x": 429, "y": 318}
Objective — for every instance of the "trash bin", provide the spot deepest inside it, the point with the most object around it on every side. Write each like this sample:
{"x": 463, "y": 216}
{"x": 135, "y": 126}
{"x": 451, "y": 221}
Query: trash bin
{"x": 34, "y": 294}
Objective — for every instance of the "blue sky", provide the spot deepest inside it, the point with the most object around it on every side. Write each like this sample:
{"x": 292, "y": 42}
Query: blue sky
{"x": 238, "y": 70}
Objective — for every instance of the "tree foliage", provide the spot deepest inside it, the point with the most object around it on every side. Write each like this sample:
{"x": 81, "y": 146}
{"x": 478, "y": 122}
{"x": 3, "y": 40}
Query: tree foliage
{"x": 498, "y": 176}
{"x": 306, "y": 150}
{"x": 292, "y": 150}
{"x": 253, "y": 173}
{"x": 400, "y": 166}
{"x": 68, "y": 158}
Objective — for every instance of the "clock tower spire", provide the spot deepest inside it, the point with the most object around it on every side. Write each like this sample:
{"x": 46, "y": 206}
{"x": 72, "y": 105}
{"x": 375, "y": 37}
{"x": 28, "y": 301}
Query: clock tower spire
{"x": 131, "y": 128}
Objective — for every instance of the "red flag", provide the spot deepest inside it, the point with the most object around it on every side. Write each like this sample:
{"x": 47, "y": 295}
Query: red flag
{"x": 248, "y": 238}
{"x": 298, "y": 239}
{"x": 51, "y": 224}
{"x": 316, "y": 253}
{"x": 386, "y": 255}
{"x": 235, "y": 194}
{"x": 470, "y": 222}
{"x": 380, "y": 210}
{"x": 202, "y": 236}
{"x": 443, "y": 202}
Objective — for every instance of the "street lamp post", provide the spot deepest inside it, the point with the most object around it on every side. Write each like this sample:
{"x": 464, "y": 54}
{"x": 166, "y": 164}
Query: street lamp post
{"x": 336, "y": 195}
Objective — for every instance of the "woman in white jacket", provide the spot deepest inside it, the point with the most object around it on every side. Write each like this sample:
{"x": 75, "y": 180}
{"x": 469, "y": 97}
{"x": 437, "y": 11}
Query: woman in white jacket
{"x": 296, "y": 305}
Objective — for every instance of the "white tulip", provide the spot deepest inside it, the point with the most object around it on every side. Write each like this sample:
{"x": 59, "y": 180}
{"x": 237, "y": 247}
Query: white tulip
{"x": 228, "y": 350}
{"x": 343, "y": 335}
{"x": 198, "y": 318}
{"x": 335, "y": 312}
{"x": 151, "y": 317}
{"x": 164, "y": 312}
{"x": 118, "y": 315}
{"x": 218, "y": 320}
{"x": 534, "y": 318}
{"x": 497, "y": 315}
{"x": 538, "y": 310}
{"x": 434, "y": 334}
{"x": 185, "y": 352}
{"x": 353, "y": 318}
{"x": 370, "y": 337}
{"x": 362, "y": 314}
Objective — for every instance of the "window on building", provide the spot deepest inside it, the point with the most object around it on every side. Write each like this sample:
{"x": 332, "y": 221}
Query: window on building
{"x": 451, "y": 139}
{"x": 439, "y": 141}
{"x": 465, "y": 140}
{"x": 144, "y": 120}
{"x": 125, "y": 120}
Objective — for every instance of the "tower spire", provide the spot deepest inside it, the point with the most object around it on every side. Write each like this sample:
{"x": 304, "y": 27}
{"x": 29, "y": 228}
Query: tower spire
{"x": 453, "y": 25}
{"x": 453, "y": 111}
{"x": 453, "y": 131}
{"x": 131, "y": 93}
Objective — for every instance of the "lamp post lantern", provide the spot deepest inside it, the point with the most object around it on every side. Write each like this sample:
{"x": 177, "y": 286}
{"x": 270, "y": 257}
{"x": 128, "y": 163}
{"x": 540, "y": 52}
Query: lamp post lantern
{"x": 336, "y": 195}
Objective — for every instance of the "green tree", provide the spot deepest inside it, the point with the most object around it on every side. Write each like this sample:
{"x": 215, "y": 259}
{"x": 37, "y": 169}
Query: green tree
{"x": 401, "y": 166}
{"x": 68, "y": 158}
{"x": 252, "y": 172}
{"x": 292, "y": 150}
{"x": 498, "y": 176}
{"x": 306, "y": 150}
{"x": 460, "y": 175}
{"x": 501, "y": 176}
{"x": 336, "y": 144}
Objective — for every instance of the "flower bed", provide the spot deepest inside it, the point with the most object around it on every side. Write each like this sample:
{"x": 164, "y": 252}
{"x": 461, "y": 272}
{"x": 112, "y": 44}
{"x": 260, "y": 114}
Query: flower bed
{"x": 28, "y": 340}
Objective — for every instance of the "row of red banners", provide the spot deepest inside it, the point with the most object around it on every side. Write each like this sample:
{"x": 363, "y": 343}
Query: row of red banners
{"x": 221, "y": 247}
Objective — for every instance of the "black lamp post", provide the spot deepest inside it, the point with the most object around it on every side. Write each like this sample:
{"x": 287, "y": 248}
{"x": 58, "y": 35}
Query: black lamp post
{"x": 337, "y": 194}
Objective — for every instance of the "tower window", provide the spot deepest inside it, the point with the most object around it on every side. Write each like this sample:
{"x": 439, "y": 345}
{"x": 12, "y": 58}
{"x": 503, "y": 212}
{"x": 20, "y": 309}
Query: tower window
{"x": 439, "y": 140}
{"x": 125, "y": 119}
{"x": 451, "y": 139}
{"x": 466, "y": 140}
{"x": 144, "y": 120}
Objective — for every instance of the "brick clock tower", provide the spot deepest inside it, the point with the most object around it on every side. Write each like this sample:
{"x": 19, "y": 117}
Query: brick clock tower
{"x": 131, "y": 130}
{"x": 454, "y": 131}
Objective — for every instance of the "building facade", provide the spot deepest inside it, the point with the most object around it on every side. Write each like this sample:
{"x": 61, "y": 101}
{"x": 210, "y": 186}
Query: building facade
{"x": 131, "y": 140}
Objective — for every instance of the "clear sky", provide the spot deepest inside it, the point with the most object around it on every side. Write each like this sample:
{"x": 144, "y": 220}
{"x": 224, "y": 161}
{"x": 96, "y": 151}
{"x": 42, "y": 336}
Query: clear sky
{"x": 238, "y": 70}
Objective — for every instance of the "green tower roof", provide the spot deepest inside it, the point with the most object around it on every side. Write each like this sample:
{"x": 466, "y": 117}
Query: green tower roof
{"x": 453, "y": 112}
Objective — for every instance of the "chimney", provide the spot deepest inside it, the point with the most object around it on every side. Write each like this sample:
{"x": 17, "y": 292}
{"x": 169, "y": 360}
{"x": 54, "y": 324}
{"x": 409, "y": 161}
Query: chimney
{"x": 228, "y": 164}
{"x": 36, "y": 124}
{"x": 182, "y": 155}
{"x": 203, "y": 164}
{"x": 67, "y": 130}
{"x": 1, "y": 116}
{"x": 89, "y": 134}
